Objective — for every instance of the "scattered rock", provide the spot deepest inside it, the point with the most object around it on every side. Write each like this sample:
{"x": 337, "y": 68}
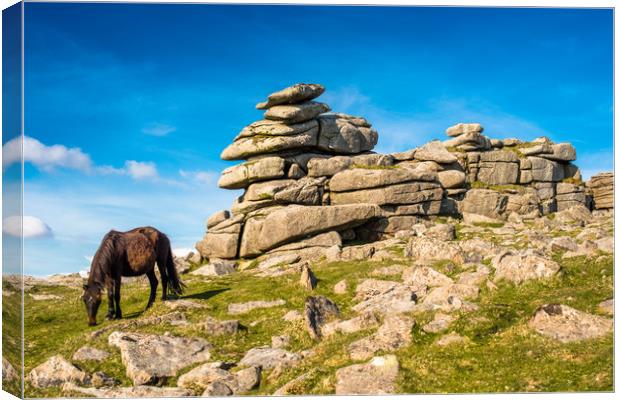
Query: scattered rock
{"x": 280, "y": 342}
{"x": 41, "y": 297}
{"x": 376, "y": 377}
{"x": 607, "y": 306}
{"x": 55, "y": 372}
{"x": 268, "y": 358}
{"x": 8, "y": 372}
{"x": 451, "y": 298}
{"x": 566, "y": 324}
{"x": 519, "y": 267}
{"x": 101, "y": 379}
{"x": 292, "y": 316}
{"x": 151, "y": 359}
{"x": 340, "y": 287}
{"x": 217, "y": 268}
{"x": 355, "y": 324}
{"x": 128, "y": 392}
{"x": 451, "y": 338}
{"x": 440, "y": 323}
{"x": 392, "y": 335}
{"x": 317, "y": 311}
{"x": 293, "y": 386}
{"x": 216, "y": 327}
{"x": 242, "y": 308}
{"x": 274, "y": 261}
{"x": 86, "y": 353}
{"x": 307, "y": 280}
{"x": 384, "y": 297}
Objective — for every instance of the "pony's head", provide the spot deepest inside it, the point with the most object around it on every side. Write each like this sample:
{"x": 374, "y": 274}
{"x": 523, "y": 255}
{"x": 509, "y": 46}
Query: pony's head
{"x": 92, "y": 300}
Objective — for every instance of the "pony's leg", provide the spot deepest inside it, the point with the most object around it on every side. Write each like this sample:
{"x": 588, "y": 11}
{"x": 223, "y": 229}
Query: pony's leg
{"x": 117, "y": 298}
{"x": 153, "y": 282}
{"x": 164, "y": 280}
{"x": 110, "y": 289}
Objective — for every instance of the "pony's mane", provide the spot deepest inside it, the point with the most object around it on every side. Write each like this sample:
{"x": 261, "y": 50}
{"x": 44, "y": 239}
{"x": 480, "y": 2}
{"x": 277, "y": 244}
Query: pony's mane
{"x": 102, "y": 259}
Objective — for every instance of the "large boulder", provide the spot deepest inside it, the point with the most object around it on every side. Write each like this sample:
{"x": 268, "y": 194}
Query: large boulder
{"x": 498, "y": 167}
{"x": 219, "y": 245}
{"x": 293, "y": 94}
{"x": 544, "y": 170}
{"x": 566, "y": 324}
{"x": 152, "y": 359}
{"x": 246, "y": 147}
{"x": 461, "y": 128}
{"x": 296, "y": 222}
{"x": 345, "y": 134}
{"x": 602, "y": 187}
{"x": 487, "y": 203}
{"x": 240, "y": 176}
{"x": 434, "y": 151}
{"x": 318, "y": 310}
{"x": 561, "y": 152}
{"x": 405, "y": 194}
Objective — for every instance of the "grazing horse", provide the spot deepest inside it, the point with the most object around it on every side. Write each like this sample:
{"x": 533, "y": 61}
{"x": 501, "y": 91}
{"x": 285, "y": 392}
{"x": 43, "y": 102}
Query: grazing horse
{"x": 131, "y": 253}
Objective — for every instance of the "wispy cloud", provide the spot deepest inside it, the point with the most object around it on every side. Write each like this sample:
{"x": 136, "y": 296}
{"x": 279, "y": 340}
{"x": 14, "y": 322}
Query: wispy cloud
{"x": 158, "y": 129}
{"x": 33, "y": 227}
{"x": 200, "y": 177}
{"x": 44, "y": 157}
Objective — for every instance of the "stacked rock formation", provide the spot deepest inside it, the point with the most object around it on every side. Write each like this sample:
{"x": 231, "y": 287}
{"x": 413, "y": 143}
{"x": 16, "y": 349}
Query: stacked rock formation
{"x": 311, "y": 181}
{"x": 601, "y": 187}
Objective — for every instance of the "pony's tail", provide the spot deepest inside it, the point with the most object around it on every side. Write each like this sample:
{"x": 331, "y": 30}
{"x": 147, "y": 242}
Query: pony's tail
{"x": 175, "y": 286}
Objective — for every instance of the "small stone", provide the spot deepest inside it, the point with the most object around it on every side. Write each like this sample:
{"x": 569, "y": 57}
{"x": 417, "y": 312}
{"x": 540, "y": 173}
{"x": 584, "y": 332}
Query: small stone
{"x": 340, "y": 287}
{"x": 307, "y": 280}
{"x": 292, "y": 316}
{"x": 280, "y": 342}
{"x": 440, "y": 323}
{"x": 607, "y": 306}
{"x": 217, "y": 268}
{"x": 101, "y": 379}
{"x": 216, "y": 327}
{"x": 248, "y": 379}
{"x": 451, "y": 338}
{"x": 268, "y": 358}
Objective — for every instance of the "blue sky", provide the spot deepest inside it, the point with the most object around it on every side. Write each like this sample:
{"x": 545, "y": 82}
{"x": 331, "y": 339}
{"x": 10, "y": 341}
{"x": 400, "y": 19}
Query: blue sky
{"x": 141, "y": 99}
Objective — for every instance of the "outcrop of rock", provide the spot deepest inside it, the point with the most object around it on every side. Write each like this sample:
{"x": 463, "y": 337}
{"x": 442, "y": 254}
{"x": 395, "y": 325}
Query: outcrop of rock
{"x": 602, "y": 188}
{"x": 55, "y": 372}
{"x": 309, "y": 175}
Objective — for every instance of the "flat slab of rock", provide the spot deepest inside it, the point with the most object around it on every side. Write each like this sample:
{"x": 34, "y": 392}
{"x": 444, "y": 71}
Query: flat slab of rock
{"x": 368, "y": 178}
{"x": 242, "y": 308}
{"x": 216, "y": 327}
{"x": 268, "y": 358}
{"x": 566, "y": 324}
{"x": 87, "y": 353}
{"x": 240, "y": 176}
{"x": 295, "y": 113}
{"x": 434, "y": 151}
{"x": 55, "y": 372}
{"x": 345, "y": 134}
{"x": 355, "y": 324}
{"x": 375, "y": 377}
{"x": 129, "y": 392}
{"x": 293, "y": 94}
{"x": 520, "y": 267}
{"x": 428, "y": 250}
{"x": 152, "y": 359}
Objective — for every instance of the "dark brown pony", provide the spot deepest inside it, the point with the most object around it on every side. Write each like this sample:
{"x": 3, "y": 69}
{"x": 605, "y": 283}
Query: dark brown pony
{"x": 131, "y": 253}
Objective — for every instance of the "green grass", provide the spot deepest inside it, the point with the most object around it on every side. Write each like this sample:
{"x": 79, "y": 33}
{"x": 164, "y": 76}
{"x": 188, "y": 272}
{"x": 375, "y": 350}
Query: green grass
{"x": 11, "y": 333}
{"x": 503, "y": 355}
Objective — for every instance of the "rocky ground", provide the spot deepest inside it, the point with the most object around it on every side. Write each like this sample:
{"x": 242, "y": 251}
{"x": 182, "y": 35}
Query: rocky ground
{"x": 447, "y": 306}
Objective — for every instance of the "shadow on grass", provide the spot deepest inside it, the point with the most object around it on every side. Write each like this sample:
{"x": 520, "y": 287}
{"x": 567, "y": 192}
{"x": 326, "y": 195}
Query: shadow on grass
{"x": 206, "y": 295}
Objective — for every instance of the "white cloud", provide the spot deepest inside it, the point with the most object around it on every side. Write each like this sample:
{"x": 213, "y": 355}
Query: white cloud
{"x": 182, "y": 251}
{"x": 158, "y": 129}
{"x": 201, "y": 177}
{"x": 134, "y": 169}
{"x": 33, "y": 227}
{"x": 44, "y": 157}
